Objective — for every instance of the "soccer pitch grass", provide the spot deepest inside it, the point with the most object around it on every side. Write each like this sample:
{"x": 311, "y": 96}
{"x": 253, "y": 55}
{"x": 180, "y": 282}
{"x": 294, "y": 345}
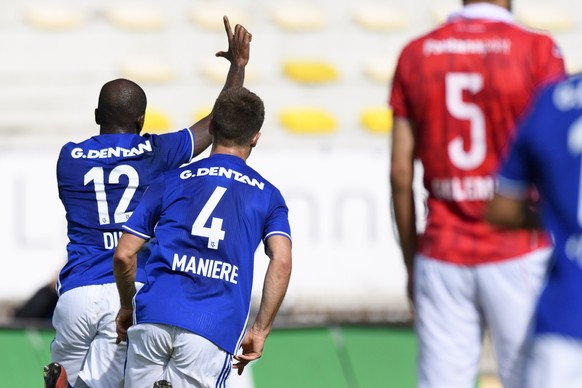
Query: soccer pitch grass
{"x": 322, "y": 357}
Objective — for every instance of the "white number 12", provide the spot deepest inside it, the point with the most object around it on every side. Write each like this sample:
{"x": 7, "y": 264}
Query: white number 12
{"x": 214, "y": 233}
{"x": 96, "y": 175}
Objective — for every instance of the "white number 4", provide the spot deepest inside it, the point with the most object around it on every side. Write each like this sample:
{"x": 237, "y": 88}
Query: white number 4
{"x": 214, "y": 233}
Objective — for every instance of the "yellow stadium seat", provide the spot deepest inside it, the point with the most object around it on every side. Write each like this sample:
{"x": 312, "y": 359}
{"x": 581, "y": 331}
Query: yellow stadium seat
{"x": 380, "y": 18}
{"x": 312, "y": 121}
{"x": 156, "y": 121}
{"x": 152, "y": 70}
{"x": 377, "y": 120}
{"x": 299, "y": 17}
{"x": 380, "y": 70}
{"x": 310, "y": 71}
{"x": 55, "y": 17}
{"x": 202, "y": 112}
{"x": 210, "y": 16}
{"x": 545, "y": 17}
{"x": 136, "y": 16}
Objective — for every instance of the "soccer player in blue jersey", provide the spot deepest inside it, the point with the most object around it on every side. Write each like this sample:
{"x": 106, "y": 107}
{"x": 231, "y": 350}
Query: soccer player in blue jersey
{"x": 208, "y": 219}
{"x": 548, "y": 155}
{"x": 100, "y": 182}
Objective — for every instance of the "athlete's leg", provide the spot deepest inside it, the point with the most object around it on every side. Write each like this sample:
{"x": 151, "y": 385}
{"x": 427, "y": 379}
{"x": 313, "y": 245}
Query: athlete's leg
{"x": 508, "y": 293}
{"x": 554, "y": 362}
{"x": 448, "y": 324}
{"x": 105, "y": 361}
{"x": 197, "y": 362}
{"x": 74, "y": 330}
{"x": 149, "y": 347}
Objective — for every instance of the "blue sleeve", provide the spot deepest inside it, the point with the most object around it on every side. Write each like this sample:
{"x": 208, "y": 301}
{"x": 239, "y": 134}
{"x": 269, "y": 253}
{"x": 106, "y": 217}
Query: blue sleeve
{"x": 145, "y": 217}
{"x": 278, "y": 218}
{"x": 515, "y": 175}
{"x": 175, "y": 148}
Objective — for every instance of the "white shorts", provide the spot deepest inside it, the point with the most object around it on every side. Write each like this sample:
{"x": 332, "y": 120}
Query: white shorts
{"x": 454, "y": 304}
{"x": 185, "y": 359}
{"x": 554, "y": 362}
{"x": 84, "y": 320}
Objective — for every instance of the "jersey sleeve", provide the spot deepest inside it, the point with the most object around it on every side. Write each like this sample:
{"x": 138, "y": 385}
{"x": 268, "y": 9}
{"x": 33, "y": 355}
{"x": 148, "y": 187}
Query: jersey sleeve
{"x": 549, "y": 62}
{"x": 175, "y": 148}
{"x": 277, "y": 222}
{"x": 145, "y": 217}
{"x": 514, "y": 179}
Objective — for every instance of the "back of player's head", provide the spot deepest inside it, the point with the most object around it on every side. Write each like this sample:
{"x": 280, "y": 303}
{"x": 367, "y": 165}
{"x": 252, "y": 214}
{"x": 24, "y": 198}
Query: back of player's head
{"x": 238, "y": 115}
{"x": 121, "y": 103}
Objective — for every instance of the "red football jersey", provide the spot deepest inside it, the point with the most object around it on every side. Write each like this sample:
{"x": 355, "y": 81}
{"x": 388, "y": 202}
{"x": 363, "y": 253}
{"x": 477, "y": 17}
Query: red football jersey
{"x": 464, "y": 86}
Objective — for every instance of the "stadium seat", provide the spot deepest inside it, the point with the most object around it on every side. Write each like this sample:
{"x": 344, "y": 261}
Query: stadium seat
{"x": 377, "y": 120}
{"x": 380, "y": 70}
{"x": 216, "y": 69}
{"x": 546, "y": 17}
{"x": 136, "y": 16}
{"x": 304, "y": 121}
{"x": 55, "y": 17}
{"x": 152, "y": 70}
{"x": 156, "y": 121}
{"x": 299, "y": 17}
{"x": 202, "y": 112}
{"x": 209, "y": 16}
{"x": 377, "y": 17}
{"x": 310, "y": 71}
{"x": 441, "y": 13}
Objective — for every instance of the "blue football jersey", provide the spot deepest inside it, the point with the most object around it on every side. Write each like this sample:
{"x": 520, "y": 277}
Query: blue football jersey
{"x": 101, "y": 181}
{"x": 208, "y": 219}
{"x": 547, "y": 152}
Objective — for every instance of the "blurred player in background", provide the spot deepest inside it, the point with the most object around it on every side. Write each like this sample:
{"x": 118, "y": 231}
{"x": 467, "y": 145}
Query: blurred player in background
{"x": 208, "y": 219}
{"x": 547, "y": 153}
{"x": 100, "y": 183}
{"x": 456, "y": 95}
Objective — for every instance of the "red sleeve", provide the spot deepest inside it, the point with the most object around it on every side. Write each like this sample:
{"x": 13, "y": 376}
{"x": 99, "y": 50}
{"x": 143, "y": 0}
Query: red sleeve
{"x": 549, "y": 63}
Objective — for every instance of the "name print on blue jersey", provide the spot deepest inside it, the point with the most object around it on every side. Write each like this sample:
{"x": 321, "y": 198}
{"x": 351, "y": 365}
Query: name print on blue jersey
{"x": 214, "y": 269}
{"x": 110, "y": 152}
{"x": 223, "y": 172}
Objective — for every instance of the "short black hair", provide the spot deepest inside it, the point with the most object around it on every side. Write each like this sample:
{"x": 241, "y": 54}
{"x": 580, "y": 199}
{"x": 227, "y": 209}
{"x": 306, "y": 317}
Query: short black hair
{"x": 238, "y": 114}
{"x": 121, "y": 102}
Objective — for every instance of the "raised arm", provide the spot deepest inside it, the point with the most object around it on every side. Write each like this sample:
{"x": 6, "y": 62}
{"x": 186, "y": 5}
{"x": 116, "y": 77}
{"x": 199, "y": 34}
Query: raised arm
{"x": 274, "y": 289}
{"x": 401, "y": 176}
{"x": 124, "y": 268}
{"x": 238, "y": 56}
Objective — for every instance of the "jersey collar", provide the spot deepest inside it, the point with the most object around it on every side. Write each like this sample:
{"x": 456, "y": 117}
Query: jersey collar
{"x": 483, "y": 11}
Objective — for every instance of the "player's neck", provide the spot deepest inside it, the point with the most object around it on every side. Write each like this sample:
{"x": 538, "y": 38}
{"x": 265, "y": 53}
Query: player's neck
{"x": 114, "y": 130}
{"x": 241, "y": 152}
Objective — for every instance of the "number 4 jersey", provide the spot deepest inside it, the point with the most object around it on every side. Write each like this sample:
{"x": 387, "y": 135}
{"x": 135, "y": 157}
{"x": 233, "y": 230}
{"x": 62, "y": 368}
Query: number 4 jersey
{"x": 463, "y": 86}
{"x": 209, "y": 218}
{"x": 101, "y": 180}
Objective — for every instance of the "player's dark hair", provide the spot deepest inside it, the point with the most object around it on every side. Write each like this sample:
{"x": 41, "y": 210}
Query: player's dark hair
{"x": 238, "y": 114}
{"x": 121, "y": 102}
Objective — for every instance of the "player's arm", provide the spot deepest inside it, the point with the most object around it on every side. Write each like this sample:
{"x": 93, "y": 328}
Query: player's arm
{"x": 509, "y": 212}
{"x": 278, "y": 249}
{"x": 401, "y": 176}
{"x": 238, "y": 56}
{"x": 124, "y": 269}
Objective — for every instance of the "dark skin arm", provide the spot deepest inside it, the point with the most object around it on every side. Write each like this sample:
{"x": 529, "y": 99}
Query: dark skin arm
{"x": 274, "y": 289}
{"x": 506, "y": 212}
{"x": 401, "y": 177}
{"x": 124, "y": 269}
{"x": 238, "y": 56}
